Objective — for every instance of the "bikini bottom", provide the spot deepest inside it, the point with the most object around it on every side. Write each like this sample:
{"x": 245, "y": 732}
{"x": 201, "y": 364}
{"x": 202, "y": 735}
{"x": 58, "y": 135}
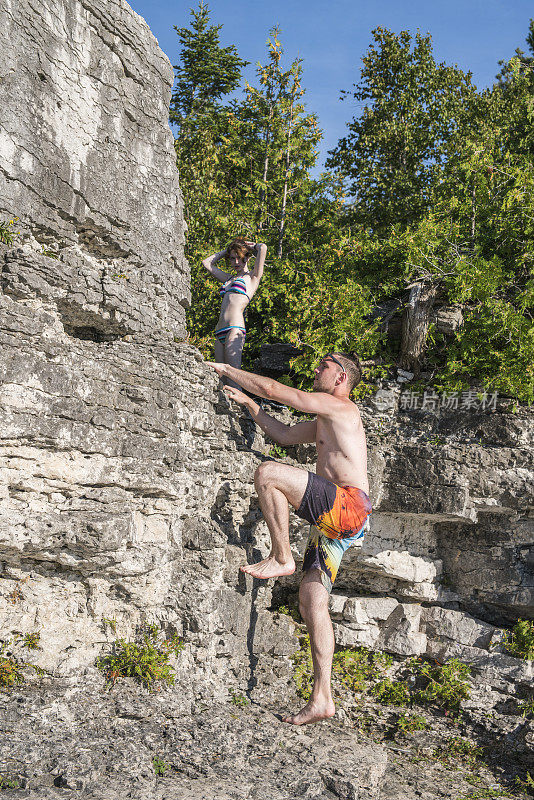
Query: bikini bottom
{"x": 222, "y": 333}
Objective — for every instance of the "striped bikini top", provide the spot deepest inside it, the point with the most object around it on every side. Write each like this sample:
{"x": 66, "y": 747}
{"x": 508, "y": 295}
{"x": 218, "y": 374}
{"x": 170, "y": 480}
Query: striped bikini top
{"x": 234, "y": 286}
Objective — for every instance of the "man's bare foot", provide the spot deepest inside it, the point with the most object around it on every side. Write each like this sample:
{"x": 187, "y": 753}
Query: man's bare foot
{"x": 313, "y": 711}
{"x": 269, "y": 568}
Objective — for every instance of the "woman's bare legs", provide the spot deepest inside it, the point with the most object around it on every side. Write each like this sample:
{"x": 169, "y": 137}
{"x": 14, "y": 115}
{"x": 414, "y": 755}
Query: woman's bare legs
{"x": 219, "y": 352}
{"x": 233, "y": 351}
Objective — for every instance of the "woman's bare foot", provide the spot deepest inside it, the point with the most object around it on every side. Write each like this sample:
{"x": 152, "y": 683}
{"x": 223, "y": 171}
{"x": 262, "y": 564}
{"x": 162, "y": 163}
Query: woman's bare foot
{"x": 313, "y": 711}
{"x": 269, "y": 568}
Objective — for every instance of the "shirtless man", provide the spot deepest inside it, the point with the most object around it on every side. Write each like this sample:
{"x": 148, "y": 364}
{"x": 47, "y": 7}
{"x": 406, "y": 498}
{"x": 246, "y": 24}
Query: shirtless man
{"x": 334, "y": 501}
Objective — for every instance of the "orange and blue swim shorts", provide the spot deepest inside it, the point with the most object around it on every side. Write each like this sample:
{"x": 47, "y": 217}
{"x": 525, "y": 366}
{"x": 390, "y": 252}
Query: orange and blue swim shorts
{"x": 338, "y": 516}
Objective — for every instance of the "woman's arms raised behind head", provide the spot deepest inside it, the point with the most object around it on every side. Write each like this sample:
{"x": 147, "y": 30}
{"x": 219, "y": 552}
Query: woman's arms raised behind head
{"x": 261, "y": 253}
{"x": 209, "y": 264}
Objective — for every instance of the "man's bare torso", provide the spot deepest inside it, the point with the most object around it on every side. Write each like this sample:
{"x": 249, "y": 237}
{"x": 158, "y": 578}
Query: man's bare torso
{"x": 342, "y": 448}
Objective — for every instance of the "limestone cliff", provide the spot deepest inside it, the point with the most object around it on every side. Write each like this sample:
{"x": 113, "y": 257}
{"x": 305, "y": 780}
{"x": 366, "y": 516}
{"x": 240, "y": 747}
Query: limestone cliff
{"x": 126, "y": 480}
{"x": 87, "y": 165}
{"x": 122, "y": 481}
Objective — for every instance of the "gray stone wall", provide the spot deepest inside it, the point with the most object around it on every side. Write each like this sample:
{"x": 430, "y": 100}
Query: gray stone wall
{"x": 125, "y": 495}
{"x": 86, "y": 163}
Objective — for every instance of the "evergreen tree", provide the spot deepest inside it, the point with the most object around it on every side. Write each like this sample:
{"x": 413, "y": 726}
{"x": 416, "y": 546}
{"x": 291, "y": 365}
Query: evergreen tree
{"x": 278, "y": 141}
{"x": 525, "y": 60}
{"x": 512, "y": 99}
{"x": 207, "y": 72}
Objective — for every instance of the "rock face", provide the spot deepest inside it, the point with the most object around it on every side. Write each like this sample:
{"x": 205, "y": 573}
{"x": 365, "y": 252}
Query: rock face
{"x": 124, "y": 494}
{"x": 108, "y": 747}
{"x": 86, "y": 163}
{"x": 117, "y": 474}
{"x": 126, "y": 480}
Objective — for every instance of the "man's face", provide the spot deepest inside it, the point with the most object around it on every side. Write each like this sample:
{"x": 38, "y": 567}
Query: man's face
{"x": 326, "y": 374}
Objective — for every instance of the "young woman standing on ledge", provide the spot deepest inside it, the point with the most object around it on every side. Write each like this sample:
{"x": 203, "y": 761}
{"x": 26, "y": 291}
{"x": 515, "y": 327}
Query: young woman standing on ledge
{"x": 236, "y": 291}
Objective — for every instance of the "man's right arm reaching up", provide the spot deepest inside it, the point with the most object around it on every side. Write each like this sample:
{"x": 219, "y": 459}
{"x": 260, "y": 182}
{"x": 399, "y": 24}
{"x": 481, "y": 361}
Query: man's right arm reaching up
{"x": 301, "y": 433}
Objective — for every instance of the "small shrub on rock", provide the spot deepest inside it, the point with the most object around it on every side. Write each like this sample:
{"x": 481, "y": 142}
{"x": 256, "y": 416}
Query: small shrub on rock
{"x": 408, "y": 723}
{"x": 443, "y": 685}
{"x": 488, "y": 793}
{"x": 526, "y": 784}
{"x": 160, "y": 766}
{"x": 7, "y": 782}
{"x": 354, "y": 668}
{"x": 291, "y": 610}
{"x": 526, "y": 707}
{"x": 13, "y": 667}
{"x": 391, "y": 693}
{"x": 7, "y": 234}
{"x": 303, "y": 668}
{"x": 11, "y": 670}
{"x": 519, "y": 642}
{"x": 146, "y": 660}
{"x": 277, "y": 452}
{"x": 460, "y": 749}
{"x": 446, "y": 684}
{"x": 239, "y": 699}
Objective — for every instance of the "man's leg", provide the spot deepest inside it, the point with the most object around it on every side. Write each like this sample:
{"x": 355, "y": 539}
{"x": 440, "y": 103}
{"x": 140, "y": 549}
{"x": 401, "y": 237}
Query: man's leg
{"x": 313, "y": 602}
{"x": 277, "y": 485}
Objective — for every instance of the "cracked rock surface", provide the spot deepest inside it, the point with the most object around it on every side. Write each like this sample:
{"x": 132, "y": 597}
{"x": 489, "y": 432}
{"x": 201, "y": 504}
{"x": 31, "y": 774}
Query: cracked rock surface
{"x": 88, "y": 743}
{"x": 93, "y": 178}
{"x": 107, "y": 749}
{"x": 126, "y": 482}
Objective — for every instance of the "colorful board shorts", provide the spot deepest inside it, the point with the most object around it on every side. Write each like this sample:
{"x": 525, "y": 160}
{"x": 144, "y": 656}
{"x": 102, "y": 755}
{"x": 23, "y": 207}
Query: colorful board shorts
{"x": 339, "y": 517}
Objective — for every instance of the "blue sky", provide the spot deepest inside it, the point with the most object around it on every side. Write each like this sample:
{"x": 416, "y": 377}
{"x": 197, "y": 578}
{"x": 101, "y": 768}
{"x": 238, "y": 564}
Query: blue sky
{"x": 332, "y": 36}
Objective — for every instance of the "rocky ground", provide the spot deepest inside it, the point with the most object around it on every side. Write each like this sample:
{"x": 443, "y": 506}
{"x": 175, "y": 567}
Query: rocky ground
{"x": 89, "y": 741}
